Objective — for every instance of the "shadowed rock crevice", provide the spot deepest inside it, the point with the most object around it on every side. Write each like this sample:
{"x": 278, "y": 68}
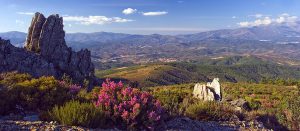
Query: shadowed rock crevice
{"x": 46, "y": 53}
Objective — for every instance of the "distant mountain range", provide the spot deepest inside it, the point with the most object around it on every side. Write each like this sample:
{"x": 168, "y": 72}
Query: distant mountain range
{"x": 276, "y": 41}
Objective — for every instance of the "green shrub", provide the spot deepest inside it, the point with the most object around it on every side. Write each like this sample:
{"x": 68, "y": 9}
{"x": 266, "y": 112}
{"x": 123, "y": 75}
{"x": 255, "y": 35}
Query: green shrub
{"x": 40, "y": 94}
{"x": 172, "y": 98}
{"x": 75, "y": 113}
{"x": 210, "y": 111}
{"x": 293, "y": 114}
{"x": 11, "y": 78}
{"x": 254, "y": 104}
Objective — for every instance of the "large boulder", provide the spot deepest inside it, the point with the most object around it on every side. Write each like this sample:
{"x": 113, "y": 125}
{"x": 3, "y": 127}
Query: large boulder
{"x": 209, "y": 92}
{"x": 203, "y": 92}
{"x": 46, "y": 53}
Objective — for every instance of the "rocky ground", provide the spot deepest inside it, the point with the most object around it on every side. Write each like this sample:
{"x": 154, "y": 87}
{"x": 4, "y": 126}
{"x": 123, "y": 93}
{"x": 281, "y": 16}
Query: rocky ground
{"x": 186, "y": 124}
{"x": 176, "y": 124}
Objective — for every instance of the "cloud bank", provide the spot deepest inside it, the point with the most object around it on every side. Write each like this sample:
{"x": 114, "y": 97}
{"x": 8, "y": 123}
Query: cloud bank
{"x": 266, "y": 20}
{"x": 99, "y": 20}
{"x": 155, "y": 13}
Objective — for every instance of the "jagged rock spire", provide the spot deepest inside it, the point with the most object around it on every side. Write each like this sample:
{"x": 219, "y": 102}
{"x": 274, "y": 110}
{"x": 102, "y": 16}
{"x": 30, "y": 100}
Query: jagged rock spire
{"x": 45, "y": 42}
{"x": 32, "y": 41}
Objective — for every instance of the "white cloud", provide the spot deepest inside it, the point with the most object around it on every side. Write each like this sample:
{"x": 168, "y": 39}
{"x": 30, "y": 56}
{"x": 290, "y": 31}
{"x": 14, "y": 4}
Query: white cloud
{"x": 263, "y": 21}
{"x": 155, "y": 13}
{"x": 244, "y": 24}
{"x": 25, "y": 13}
{"x": 233, "y": 17}
{"x": 129, "y": 11}
{"x": 100, "y": 20}
{"x": 258, "y": 22}
{"x": 286, "y": 18}
{"x": 283, "y": 18}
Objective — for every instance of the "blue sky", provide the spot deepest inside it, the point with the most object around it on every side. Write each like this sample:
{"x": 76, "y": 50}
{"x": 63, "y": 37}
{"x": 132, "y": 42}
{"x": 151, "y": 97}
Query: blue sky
{"x": 150, "y": 16}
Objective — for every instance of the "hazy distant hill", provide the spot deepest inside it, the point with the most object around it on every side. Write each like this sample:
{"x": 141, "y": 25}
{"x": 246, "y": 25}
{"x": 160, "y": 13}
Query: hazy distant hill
{"x": 15, "y": 37}
{"x": 273, "y": 41}
{"x": 271, "y": 32}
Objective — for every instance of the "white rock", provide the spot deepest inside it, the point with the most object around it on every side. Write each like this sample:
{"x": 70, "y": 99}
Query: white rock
{"x": 209, "y": 92}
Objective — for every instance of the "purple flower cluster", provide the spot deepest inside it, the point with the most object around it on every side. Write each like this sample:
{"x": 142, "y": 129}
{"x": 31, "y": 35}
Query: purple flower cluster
{"x": 73, "y": 88}
{"x": 129, "y": 105}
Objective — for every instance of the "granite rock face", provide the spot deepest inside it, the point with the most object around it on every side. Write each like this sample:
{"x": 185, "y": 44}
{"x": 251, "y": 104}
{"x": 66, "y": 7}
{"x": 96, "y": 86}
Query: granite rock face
{"x": 209, "y": 92}
{"x": 18, "y": 59}
{"x": 46, "y": 53}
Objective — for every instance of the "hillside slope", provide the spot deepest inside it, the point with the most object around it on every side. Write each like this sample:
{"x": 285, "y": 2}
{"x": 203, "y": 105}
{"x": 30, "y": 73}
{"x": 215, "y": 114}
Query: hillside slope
{"x": 232, "y": 69}
{"x": 152, "y": 75}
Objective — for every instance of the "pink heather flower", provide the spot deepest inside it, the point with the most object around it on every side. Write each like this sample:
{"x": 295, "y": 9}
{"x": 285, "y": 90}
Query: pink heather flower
{"x": 157, "y": 104}
{"x": 136, "y": 107}
{"x": 127, "y": 91}
{"x": 120, "y": 84}
{"x": 112, "y": 86}
{"x": 133, "y": 100}
{"x": 97, "y": 103}
{"x": 144, "y": 95}
{"x": 153, "y": 116}
{"x": 127, "y": 103}
{"x": 74, "y": 88}
{"x": 104, "y": 85}
{"x": 120, "y": 107}
{"x": 125, "y": 115}
{"x": 145, "y": 100}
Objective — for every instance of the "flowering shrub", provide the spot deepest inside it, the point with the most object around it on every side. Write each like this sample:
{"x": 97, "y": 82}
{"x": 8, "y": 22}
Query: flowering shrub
{"x": 129, "y": 107}
{"x": 73, "y": 88}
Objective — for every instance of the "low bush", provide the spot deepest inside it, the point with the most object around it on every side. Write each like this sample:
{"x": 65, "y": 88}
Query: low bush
{"x": 173, "y": 99}
{"x": 11, "y": 78}
{"x": 40, "y": 94}
{"x": 254, "y": 104}
{"x": 33, "y": 94}
{"x": 293, "y": 114}
{"x": 210, "y": 111}
{"x": 129, "y": 108}
{"x": 75, "y": 113}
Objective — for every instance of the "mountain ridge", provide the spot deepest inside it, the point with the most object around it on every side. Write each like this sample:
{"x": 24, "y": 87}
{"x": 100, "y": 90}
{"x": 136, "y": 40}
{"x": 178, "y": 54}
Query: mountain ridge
{"x": 248, "y": 33}
{"x": 274, "y": 42}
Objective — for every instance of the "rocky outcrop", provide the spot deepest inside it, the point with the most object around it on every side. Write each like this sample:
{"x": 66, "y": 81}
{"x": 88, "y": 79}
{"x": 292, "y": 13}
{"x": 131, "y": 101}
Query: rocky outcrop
{"x": 209, "y": 92}
{"x": 46, "y": 53}
{"x": 18, "y": 59}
